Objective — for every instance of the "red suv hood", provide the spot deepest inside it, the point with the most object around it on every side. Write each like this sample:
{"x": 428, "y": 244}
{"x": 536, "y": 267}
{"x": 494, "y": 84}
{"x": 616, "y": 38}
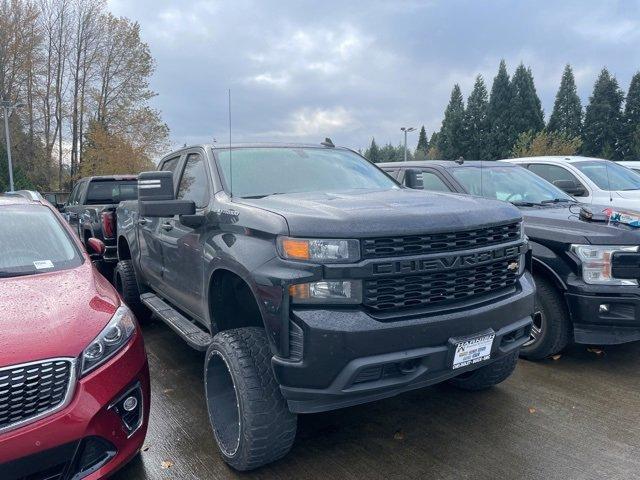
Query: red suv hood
{"x": 53, "y": 314}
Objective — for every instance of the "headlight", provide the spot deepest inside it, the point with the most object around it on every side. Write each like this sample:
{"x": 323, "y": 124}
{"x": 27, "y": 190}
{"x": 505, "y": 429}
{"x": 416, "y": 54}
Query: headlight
{"x": 317, "y": 250}
{"x": 327, "y": 292}
{"x": 596, "y": 263}
{"x": 111, "y": 339}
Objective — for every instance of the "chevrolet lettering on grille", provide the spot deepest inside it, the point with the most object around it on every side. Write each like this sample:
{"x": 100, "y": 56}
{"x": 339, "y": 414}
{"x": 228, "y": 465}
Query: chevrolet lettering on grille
{"x": 449, "y": 262}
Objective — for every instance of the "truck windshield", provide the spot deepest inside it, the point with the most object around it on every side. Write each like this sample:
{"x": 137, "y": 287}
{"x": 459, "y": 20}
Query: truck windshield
{"x": 609, "y": 175}
{"x": 111, "y": 191}
{"x": 259, "y": 172}
{"x": 512, "y": 184}
{"x": 32, "y": 240}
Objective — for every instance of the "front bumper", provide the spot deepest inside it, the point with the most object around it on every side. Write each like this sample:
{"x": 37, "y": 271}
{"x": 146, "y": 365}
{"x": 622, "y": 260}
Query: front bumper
{"x": 347, "y": 357}
{"x": 56, "y": 442}
{"x": 619, "y": 324}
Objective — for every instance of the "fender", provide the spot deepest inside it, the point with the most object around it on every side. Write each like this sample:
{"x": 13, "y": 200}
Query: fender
{"x": 547, "y": 260}
{"x": 265, "y": 274}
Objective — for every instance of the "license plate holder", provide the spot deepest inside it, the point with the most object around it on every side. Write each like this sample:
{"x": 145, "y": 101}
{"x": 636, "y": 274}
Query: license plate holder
{"x": 470, "y": 350}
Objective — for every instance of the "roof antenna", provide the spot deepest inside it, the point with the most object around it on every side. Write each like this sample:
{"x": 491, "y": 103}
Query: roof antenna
{"x": 230, "y": 162}
{"x": 481, "y": 178}
{"x": 606, "y": 169}
{"x": 327, "y": 143}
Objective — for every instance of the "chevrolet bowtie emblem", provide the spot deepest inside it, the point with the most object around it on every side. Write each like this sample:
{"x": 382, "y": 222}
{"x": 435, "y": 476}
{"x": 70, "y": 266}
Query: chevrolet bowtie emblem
{"x": 513, "y": 266}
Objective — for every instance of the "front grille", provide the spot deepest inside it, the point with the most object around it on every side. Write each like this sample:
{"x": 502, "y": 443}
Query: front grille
{"x": 33, "y": 390}
{"x": 438, "y": 287}
{"x": 439, "y": 242}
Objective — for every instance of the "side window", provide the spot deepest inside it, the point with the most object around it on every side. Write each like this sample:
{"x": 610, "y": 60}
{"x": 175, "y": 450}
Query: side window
{"x": 432, "y": 182}
{"x": 170, "y": 165}
{"x": 81, "y": 192}
{"x": 194, "y": 184}
{"x": 73, "y": 194}
{"x": 552, "y": 173}
{"x": 392, "y": 173}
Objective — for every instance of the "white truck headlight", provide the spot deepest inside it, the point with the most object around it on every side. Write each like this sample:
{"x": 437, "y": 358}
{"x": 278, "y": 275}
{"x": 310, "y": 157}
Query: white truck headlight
{"x": 109, "y": 341}
{"x": 596, "y": 263}
{"x": 319, "y": 250}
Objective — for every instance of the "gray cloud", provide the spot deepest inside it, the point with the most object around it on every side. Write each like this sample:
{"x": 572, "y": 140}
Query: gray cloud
{"x": 300, "y": 71}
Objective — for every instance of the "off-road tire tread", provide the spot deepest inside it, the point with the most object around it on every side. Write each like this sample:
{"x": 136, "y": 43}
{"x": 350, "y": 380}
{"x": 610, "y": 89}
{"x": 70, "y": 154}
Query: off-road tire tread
{"x": 268, "y": 427}
{"x": 489, "y": 375}
{"x": 559, "y": 331}
{"x": 130, "y": 292}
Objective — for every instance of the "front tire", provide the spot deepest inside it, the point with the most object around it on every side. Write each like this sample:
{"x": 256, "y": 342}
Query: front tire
{"x": 249, "y": 416}
{"x": 124, "y": 279}
{"x": 487, "y": 376}
{"x": 551, "y": 330}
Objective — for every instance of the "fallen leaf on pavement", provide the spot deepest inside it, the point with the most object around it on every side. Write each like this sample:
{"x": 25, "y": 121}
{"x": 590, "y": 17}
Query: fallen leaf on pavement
{"x": 166, "y": 464}
{"x": 145, "y": 448}
{"x": 532, "y": 410}
{"x": 556, "y": 357}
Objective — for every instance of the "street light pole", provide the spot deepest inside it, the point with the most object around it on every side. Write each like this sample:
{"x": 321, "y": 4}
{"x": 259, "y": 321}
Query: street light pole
{"x": 7, "y": 106}
{"x": 406, "y": 130}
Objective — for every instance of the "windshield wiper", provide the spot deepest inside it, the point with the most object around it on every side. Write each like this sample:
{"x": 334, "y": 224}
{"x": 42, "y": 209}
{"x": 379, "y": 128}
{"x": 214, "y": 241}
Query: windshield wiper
{"x": 557, "y": 200}
{"x": 8, "y": 274}
{"x": 526, "y": 204}
{"x": 263, "y": 196}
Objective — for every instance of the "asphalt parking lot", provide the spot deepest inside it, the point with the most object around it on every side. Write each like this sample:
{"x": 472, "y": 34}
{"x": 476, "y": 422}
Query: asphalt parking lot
{"x": 572, "y": 418}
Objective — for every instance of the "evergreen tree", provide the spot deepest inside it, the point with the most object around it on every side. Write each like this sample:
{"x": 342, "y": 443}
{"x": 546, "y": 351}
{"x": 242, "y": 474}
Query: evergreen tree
{"x": 433, "y": 153}
{"x": 566, "y": 117}
{"x": 501, "y": 137}
{"x": 631, "y": 134}
{"x": 388, "y": 153}
{"x": 451, "y": 136}
{"x": 476, "y": 123}
{"x": 373, "y": 152}
{"x": 526, "y": 109}
{"x": 603, "y": 119}
{"x": 423, "y": 143}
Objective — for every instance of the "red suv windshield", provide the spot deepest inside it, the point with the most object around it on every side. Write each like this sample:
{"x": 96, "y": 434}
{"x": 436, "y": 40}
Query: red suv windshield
{"x": 32, "y": 240}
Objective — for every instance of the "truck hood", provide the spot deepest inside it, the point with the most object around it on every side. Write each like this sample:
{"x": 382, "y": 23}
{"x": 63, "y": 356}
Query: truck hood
{"x": 562, "y": 224}
{"x": 367, "y": 213}
{"x": 53, "y": 314}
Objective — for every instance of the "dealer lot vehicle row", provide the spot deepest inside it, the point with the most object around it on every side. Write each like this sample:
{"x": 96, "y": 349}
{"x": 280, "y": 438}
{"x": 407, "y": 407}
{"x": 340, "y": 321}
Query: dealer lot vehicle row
{"x": 312, "y": 281}
{"x": 585, "y": 267}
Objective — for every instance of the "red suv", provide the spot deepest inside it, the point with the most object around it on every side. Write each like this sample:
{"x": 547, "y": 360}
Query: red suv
{"x": 74, "y": 377}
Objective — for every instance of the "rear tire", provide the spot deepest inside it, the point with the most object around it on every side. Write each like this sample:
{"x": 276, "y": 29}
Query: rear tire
{"x": 552, "y": 326}
{"x": 250, "y": 419}
{"x": 124, "y": 279}
{"x": 487, "y": 376}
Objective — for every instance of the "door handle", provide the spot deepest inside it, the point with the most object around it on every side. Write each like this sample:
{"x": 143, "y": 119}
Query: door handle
{"x": 167, "y": 226}
{"x": 142, "y": 221}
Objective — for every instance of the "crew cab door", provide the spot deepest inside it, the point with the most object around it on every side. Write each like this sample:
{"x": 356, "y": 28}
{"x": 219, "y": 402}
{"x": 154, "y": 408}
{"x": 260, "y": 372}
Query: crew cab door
{"x": 150, "y": 236}
{"x": 183, "y": 272}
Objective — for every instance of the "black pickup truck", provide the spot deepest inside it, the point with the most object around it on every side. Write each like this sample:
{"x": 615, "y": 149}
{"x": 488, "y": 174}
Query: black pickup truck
{"x": 314, "y": 281}
{"x": 91, "y": 208}
{"x": 586, "y": 269}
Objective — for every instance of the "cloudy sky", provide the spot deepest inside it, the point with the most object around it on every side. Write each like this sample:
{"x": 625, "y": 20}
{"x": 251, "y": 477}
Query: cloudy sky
{"x": 303, "y": 70}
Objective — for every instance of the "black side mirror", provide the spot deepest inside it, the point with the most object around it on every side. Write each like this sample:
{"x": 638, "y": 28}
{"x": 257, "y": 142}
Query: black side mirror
{"x": 570, "y": 187}
{"x": 156, "y": 196}
{"x": 413, "y": 178}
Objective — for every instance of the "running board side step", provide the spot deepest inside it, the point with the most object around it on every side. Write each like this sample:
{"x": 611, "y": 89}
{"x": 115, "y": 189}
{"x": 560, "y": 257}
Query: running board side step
{"x": 189, "y": 331}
